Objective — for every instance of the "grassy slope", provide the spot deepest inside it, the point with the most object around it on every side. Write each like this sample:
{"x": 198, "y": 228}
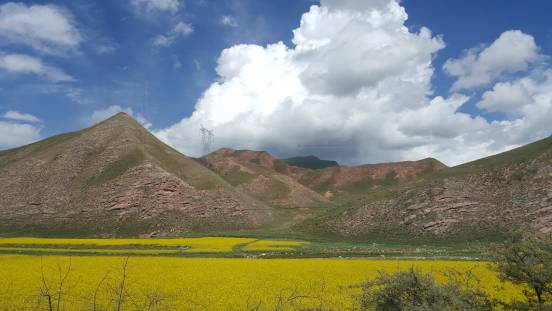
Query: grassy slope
{"x": 11, "y": 155}
{"x": 358, "y": 194}
{"x": 518, "y": 155}
{"x": 351, "y": 198}
{"x": 310, "y": 162}
{"x": 148, "y": 149}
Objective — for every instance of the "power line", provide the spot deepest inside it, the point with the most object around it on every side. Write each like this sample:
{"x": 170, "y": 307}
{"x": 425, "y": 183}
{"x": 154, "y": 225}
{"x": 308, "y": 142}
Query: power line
{"x": 207, "y": 139}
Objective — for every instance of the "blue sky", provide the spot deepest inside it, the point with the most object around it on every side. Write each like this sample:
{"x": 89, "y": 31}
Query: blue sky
{"x": 155, "y": 59}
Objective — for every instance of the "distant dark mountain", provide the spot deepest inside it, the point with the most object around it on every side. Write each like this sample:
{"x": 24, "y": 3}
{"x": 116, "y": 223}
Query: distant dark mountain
{"x": 310, "y": 162}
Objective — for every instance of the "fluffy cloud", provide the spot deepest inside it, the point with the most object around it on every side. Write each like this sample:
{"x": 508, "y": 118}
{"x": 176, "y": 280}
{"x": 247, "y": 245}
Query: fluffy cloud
{"x": 529, "y": 100}
{"x": 228, "y": 20}
{"x": 355, "y": 87}
{"x": 512, "y": 52}
{"x": 24, "y": 64}
{"x": 102, "y": 114}
{"x": 151, "y": 6}
{"x": 18, "y": 116}
{"x": 179, "y": 30}
{"x": 507, "y": 96}
{"x": 16, "y": 134}
{"x": 47, "y": 28}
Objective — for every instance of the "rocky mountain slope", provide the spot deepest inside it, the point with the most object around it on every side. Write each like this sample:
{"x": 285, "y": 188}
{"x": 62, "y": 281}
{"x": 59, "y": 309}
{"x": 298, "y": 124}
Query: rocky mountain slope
{"x": 262, "y": 176}
{"x": 307, "y": 193}
{"x": 480, "y": 200}
{"x": 117, "y": 177}
{"x": 339, "y": 179}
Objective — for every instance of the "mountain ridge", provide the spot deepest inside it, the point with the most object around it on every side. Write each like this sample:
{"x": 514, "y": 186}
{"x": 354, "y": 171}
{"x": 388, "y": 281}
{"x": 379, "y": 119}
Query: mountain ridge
{"x": 310, "y": 162}
{"x": 116, "y": 178}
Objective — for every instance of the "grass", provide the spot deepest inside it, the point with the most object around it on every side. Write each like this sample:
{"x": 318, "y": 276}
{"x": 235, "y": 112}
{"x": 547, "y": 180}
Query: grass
{"x": 269, "y": 245}
{"x": 277, "y": 190}
{"x": 310, "y": 162}
{"x": 214, "y": 283}
{"x": 119, "y": 167}
{"x": 515, "y": 156}
{"x": 177, "y": 246}
{"x": 237, "y": 177}
{"x": 359, "y": 194}
{"x": 7, "y": 156}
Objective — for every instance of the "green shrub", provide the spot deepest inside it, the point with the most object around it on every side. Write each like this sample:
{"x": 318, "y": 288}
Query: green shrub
{"x": 415, "y": 291}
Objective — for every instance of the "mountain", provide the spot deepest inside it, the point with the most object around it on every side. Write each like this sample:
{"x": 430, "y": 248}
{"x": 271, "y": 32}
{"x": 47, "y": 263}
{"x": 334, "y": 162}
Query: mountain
{"x": 353, "y": 179}
{"x": 260, "y": 175}
{"x": 478, "y": 200}
{"x": 310, "y": 162}
{"x": 117, "y": 178}
{"x": 307, "y": 192}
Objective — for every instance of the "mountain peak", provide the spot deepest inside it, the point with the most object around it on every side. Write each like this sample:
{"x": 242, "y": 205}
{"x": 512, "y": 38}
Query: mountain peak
{"x": 119, "y": 125}
{"x": 121, "y": 118}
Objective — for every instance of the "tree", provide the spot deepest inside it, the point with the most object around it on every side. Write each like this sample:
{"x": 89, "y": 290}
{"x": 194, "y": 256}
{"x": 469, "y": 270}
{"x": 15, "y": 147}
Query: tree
{"x": 527, "y": 261}
{"x": 415, "y": 291}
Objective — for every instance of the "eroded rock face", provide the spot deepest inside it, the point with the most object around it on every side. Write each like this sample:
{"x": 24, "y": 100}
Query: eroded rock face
{"x": 116, "y": 178}
{"x": 517, "y": 195}
{"x": 341, "y": 177}
{"x": 115, "y": 175}
{"x": 262, "y": 176}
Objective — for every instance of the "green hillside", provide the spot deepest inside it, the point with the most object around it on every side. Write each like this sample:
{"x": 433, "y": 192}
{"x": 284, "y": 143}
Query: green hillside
{"x": 310, "y": 162}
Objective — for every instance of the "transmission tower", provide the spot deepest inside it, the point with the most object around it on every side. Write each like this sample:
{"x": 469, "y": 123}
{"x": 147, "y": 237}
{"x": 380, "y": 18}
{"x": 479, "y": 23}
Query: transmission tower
{"x": 207, "y": 139}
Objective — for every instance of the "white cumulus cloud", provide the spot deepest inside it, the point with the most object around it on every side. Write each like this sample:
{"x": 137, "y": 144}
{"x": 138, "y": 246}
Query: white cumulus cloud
{"x": 354, "y": 87}
{"x": 14, "y": 134}
{"x": 529, "y": 100}
{"x": 25, "y": 64}
{"x": 18, "y": 116}
{"x": 47, "y": 28}
{"x": 512, "y": 52}
{"x": 507, "y": 96}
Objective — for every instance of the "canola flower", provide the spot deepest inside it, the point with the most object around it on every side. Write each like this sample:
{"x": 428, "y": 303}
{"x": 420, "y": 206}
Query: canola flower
{"x": 146, "y": 246}
{"x": 213, "y": 283}
{"x": 205, "y": 244}
{"x": 38, "y": 250}
{"x": 275, "y": 245}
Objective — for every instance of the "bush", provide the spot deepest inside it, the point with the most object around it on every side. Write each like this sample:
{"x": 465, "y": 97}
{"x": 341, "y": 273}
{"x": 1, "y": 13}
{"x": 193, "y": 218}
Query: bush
{"x": 415, "y": 291}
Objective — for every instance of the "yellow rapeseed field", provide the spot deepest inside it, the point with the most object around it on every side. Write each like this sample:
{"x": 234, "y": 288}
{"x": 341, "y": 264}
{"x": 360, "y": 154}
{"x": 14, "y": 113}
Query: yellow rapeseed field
{"x": 263, "y": 245}
{"x": 146, "y": 246}
{"x": 206, "y": 283}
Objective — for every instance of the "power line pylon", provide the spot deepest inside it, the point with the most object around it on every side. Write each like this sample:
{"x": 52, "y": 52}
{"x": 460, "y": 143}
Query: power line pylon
{"x": 207, "y": 139}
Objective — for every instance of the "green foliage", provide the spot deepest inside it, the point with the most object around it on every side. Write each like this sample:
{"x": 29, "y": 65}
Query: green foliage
{"x": 237, "y": 177}
{"x": 11, "y": 155}
{"x": 172, "y": 161}
{"x": 310, "y": 162}
{"x": 415, "y": 291}
{"x": 118, "y": 167}
{"x": 527, "y": 261}
{"x": 515, "y": 156}
{"x": 368, "y": 184}
{"x": 277, "y": 190}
